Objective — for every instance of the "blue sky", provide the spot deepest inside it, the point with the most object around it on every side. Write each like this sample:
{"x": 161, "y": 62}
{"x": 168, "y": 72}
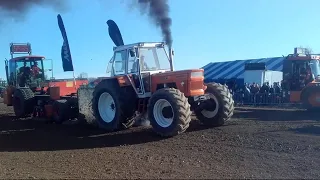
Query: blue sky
{"x": 203, "y": 32}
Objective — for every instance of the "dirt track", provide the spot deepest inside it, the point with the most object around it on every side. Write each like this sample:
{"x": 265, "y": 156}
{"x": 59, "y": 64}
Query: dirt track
{"x": 255, "y": 144}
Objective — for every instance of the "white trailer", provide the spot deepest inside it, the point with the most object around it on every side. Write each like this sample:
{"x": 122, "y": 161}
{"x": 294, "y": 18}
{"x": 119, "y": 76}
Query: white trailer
{"x": 262, "y": 76}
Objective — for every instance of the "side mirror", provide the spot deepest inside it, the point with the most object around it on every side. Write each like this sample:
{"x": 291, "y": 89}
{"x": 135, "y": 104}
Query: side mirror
{"x": 109, "y": 67}
{"x": 132, "y": 53}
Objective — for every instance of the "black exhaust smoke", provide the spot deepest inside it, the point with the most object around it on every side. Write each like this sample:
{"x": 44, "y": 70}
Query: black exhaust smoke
{"x": 17, "y": 9}
{"x": 158, "y": 11}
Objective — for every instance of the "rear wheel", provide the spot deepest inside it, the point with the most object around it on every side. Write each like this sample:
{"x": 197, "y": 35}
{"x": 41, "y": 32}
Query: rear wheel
{"x": 219, "y": 108}
{"x": 311, "y": 99}
{"x": 60, "y": 111}
{"x": 113, "y": 106}
{"x": 73, "y": 107}
{"x": 106, "y": 107}
{"x": 65, "y": 109}
{"x": 23, "y": 102}
{"x": 169, "y": 112}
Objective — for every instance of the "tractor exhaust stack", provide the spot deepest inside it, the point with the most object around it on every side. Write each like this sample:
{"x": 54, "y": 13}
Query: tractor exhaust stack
{"x": 171, "y": 54}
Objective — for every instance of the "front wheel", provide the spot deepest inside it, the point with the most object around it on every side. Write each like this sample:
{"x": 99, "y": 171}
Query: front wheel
{"x": 23, "y": 102}
{"x": 60, "y": 111}
{"x": 169, "y": 112}
{"x": 219, "y": 108}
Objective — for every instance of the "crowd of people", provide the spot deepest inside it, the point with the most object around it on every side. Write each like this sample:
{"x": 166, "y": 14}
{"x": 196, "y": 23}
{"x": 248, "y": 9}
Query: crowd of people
{"x": 255, "y": 88}
{"x": 256, "y": 94}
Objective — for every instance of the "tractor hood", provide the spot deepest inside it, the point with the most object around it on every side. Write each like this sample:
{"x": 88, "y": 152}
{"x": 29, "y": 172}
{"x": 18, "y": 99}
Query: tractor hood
{"x": 189, "y": 73}
{"x": 314, "y": 83}
{"x": 190, "y": 81}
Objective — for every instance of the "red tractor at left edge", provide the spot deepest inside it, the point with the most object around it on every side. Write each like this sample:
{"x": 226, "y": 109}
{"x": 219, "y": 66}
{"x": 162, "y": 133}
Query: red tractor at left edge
{"x": 32, "y": 91}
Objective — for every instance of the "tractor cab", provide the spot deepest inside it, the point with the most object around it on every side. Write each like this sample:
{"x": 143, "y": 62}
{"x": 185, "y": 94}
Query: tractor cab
{"x": 140, "y": 61}
{"x": 28, "y": 70}
{"x": 315, "y": 69}
{"x": 301, "y": 71}
{"x": 301, "y": 79}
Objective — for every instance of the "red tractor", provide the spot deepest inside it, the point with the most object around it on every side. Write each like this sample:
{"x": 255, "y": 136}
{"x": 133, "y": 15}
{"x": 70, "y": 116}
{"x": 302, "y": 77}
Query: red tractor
{"x": 32, "y": 92}
{"x": 143, "y": 83}
{"x": 301, "y": 79}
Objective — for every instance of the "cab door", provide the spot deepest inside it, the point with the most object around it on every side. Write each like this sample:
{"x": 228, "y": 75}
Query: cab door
{"x": 140, "y": 80}
{"x": 134, "y": 71}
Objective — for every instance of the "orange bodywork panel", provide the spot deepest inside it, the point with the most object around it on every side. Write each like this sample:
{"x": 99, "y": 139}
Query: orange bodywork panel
{"x": 122, "y": 80}
{"x": 314, "y": 99}
{"x": 190, "y": 86}
{"x": 295, "y": 96}
{"x": 55, "y": 93}
{"x": 7, "y": 96}
{"x": 68, "y": 87}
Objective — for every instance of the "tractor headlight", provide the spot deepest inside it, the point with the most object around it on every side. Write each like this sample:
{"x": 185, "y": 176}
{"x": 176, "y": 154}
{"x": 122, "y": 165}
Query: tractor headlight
{"x": 196, "y": 74}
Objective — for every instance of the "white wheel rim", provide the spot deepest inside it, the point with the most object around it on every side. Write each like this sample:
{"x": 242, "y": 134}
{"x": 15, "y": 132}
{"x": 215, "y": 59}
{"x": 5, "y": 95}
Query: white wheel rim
{"x": 106, "y": 107}
{"x": 158, "y": 114}
{"x": 211, "y": 114}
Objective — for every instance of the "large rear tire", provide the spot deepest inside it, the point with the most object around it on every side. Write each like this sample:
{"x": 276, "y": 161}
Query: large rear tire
{"x": 23, "y": 102}
{"x": 310, "y": 99}
{"x": 219, "y": 108}
{"x": 60, "y": 111}
{"x": 113, "y": 106}
{"x": 169, "y": 112}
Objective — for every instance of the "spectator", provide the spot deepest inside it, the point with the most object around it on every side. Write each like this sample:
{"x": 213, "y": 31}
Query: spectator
{"x": 255, "y": 88}
{"x": 246, "y": 89}
{"x": 271, "y": 90}
{"x": 252, "y": 86}
{"x": 277, "y": 88}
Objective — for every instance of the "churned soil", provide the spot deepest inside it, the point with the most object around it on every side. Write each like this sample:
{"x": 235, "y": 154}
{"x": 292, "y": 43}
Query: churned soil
{"x": 256, "y": 143}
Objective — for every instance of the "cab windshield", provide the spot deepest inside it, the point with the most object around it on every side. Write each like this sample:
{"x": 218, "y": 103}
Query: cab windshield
{"x": 315, "y": 67}
{"x": 154, "y": 59}
{"x": 30, "y": 71}
{"x": 35, "y": 67}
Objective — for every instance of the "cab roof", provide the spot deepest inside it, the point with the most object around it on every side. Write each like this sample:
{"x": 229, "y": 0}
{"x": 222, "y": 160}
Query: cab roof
{"x": 20, "y": 58}
{"x": 303, "y": 57}
{"x": 139, "y": 44}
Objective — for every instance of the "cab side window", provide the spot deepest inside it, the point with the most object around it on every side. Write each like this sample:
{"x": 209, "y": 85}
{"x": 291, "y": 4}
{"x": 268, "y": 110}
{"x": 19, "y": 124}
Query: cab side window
{"x": 132, "y": 61}
{"x": 120, "y": 58}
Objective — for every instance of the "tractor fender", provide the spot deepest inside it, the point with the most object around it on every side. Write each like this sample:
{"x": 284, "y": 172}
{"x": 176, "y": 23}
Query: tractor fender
{"x": 120, "y": 80}
{"x": 114, "y": 81}
{"x": 306, "y": 92}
